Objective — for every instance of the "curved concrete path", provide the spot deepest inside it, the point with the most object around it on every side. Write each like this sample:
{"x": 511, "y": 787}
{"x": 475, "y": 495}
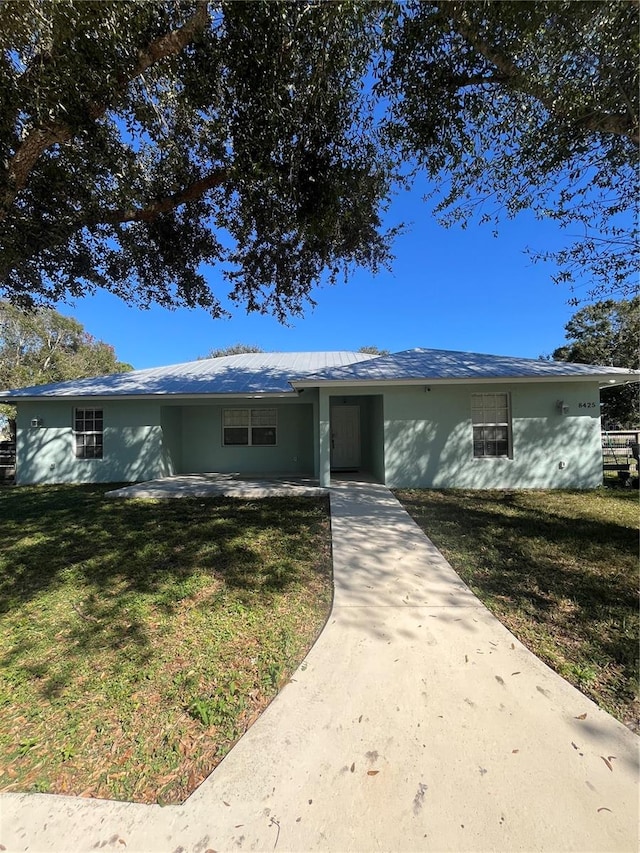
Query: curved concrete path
{"x": 416, "y": 722}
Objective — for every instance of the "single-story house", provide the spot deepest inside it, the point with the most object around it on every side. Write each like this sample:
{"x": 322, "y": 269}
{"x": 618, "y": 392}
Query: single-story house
{"x": 422, "y": 417}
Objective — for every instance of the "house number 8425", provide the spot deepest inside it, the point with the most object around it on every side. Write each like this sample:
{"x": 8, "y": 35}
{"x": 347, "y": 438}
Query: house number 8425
{"x": 586, "y": 405}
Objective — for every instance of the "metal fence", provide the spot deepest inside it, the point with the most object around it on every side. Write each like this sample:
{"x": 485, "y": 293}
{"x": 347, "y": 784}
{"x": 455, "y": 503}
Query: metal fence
{"x": 620, "y": 454}
{"x": 7, "y": 460}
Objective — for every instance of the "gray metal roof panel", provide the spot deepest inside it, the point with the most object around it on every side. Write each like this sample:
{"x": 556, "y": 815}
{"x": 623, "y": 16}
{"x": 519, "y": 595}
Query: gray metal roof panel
{"x": 432, "y": 364}
{"x": 248, "y": 373}
{"x": 273, "y": 373}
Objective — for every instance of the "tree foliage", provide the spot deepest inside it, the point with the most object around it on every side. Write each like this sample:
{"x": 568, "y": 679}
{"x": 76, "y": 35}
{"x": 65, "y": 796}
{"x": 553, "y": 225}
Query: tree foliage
{"x": 515, "y": 106}
{"x": 232, "y": 349}
{"x": 608, "y": 332}
{"x": 373, "y": 350}
{"x": 142, "y": 140}
{"x": 38, "y": 347}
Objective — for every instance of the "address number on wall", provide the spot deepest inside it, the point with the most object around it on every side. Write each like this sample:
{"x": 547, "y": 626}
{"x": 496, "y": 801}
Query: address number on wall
{"x": 586, "y": 405}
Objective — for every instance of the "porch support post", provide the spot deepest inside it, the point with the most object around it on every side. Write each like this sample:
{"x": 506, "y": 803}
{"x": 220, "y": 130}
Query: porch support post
{"x": 324, "y": 437}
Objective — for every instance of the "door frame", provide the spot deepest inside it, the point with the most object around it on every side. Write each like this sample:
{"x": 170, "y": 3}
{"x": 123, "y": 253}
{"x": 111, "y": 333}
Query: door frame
{"x": 357, "y": 457}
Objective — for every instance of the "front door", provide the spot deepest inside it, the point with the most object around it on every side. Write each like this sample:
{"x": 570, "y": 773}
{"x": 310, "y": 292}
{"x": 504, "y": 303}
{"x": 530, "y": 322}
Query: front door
{"x": 345, "y": 437}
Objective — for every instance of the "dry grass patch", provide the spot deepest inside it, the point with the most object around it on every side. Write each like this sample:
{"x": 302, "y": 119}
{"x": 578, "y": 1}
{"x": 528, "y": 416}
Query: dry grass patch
{"x": 559, "y": 569}
{"x": 141, "y": 638}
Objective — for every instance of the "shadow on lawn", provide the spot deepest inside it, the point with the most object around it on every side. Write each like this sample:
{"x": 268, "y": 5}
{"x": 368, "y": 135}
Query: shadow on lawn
{"x": 535, "y": 557}
{"x": 114, "y": 561}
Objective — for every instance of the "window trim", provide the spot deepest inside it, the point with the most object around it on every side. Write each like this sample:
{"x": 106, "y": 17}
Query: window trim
{"x": 79, "y": 450}
{"x": 487, "y": 423}
{"x": 250, "y": 425}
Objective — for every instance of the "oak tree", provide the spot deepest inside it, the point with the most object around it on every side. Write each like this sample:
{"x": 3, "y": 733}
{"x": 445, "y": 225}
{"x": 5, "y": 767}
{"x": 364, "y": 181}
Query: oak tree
{"x": 527, "y": 106}
{"x": 141, "y": 141}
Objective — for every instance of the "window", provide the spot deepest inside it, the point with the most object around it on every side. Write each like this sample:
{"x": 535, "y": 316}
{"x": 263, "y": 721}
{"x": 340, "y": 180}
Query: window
{"x": 491, "y": 421}
{"x": 249, "y": 427}
{"x": 88, "y": 429}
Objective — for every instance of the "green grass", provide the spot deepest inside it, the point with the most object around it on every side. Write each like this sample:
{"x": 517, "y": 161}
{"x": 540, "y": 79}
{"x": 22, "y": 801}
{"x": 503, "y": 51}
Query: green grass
{"x": 559, "y": 569}
{"x": 139, "y": 639}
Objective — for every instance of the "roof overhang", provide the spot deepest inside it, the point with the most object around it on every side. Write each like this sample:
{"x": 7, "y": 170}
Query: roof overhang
{"x": 162, "y": 398}
{"x": 604, "y": 380}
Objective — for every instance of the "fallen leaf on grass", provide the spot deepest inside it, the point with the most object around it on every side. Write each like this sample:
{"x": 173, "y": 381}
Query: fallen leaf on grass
{"x": 372, "y": 772}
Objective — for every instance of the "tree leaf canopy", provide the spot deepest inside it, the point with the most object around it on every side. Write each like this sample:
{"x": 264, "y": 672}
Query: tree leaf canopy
{"x": 142, "y": 140}
{"x": 143, "y": 143}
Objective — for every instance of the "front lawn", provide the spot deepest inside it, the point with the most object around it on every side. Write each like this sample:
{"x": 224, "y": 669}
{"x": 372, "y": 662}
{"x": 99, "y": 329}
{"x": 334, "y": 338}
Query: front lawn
{"x": 139, "y": 639}
{"x": 559, "y": 569}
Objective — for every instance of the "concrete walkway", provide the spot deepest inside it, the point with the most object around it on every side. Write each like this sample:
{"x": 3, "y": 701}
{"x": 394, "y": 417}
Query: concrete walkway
{"x": 416, "y": 722}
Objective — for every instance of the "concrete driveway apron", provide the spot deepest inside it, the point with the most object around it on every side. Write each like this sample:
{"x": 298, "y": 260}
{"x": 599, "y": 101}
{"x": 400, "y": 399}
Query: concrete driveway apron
{"x": 416, "y": 722}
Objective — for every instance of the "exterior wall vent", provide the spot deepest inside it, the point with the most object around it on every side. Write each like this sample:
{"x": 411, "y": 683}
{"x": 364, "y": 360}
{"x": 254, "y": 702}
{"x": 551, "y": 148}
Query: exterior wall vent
{"x": 36, "y": 422}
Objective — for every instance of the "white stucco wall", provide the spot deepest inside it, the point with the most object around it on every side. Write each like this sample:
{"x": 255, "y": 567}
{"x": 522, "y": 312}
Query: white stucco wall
{"x": 413, "y": 437}
{"x": 132, "y": 444}
{"x": 428, "y": 438}
{"x": 203, "y": 450}
{"x": 148, "y": 439}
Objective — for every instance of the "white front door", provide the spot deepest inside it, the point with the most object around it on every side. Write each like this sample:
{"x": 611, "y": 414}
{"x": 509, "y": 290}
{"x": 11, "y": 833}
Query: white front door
{"x": 345, "y": 437}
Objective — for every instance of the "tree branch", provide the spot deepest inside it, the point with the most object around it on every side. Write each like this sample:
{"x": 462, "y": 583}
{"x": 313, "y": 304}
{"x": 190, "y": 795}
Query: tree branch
{"x": 462, "y": 81}
{"x": 619, "y": 124}
{"x": 58, "y": 132}
{"x": 163, "y": 205}
{"x": 120, "y": 216}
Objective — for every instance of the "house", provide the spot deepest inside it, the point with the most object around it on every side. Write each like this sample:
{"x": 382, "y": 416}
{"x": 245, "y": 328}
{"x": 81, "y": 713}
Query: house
{"x": 422, "y": 417}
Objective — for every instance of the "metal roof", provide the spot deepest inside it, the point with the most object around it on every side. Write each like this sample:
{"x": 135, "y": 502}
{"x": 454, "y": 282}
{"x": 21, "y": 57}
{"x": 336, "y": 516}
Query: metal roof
{"x": 424, "y": 365}
{"x": 248, "y": 373}
{"x": 281, "y": 373}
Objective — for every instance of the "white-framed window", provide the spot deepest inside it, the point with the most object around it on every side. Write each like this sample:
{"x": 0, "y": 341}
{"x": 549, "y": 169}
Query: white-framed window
{"x": 88, "y": 430}
{"x": 249, "y": 427}
{"x": 491, "y": 424}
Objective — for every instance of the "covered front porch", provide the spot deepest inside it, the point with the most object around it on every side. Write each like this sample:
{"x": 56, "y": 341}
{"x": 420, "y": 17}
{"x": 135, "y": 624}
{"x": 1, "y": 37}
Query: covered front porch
{"x": 350, "y": 436}
{"x": 315, "y": 435}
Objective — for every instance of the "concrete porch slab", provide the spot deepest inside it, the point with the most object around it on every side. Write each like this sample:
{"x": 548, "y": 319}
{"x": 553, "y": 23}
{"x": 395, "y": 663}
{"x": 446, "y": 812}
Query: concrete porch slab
{"x": 222, "y": 485}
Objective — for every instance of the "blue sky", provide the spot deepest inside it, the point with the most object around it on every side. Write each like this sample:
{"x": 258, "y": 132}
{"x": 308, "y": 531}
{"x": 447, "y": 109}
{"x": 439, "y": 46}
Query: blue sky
{"x": 448, "y": 289}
